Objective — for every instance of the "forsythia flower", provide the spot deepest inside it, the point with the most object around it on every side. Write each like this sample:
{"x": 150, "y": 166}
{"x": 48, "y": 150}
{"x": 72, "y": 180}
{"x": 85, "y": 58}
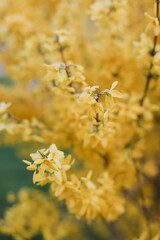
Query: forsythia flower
{"x": 148, "y": 109}
{"x": 87, "y": 95}
{"x": 26, "y": 218}
{"x": 154, "y": 24}
{"x": 112, "y": 134}
{"x": 141, "y": 48}
{"x": 104, "y": 12}
{"x": 64, "y": 76}
{"x": 112, "y": 92}
{"x": 88, "y": 200}
{"x": 63, "y": 35}
{"x": 4, "y": 106}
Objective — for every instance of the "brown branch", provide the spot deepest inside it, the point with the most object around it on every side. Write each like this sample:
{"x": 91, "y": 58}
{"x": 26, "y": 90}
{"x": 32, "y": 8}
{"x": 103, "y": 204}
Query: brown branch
{"x": 105, "y": 158}
{"x": 61, "y": 50}
{"x": 144, "y": 208}
{"x": 153, "y": 52}
{"x": 97, "y": 99}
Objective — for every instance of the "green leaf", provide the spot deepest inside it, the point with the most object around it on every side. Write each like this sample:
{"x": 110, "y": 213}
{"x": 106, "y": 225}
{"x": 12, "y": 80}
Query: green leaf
{"x": 95, "y": 129}
{"x": 151, "y": 50}
{"x": 155, "y": 76}
{"x": 71, "y": 74}
{"x": 113, "y": 8}
{"x": 102, "y": 122}
{"x": 107, "y": 92}
{"x": 65, "y": 46}
{"x": 61, "y": 70}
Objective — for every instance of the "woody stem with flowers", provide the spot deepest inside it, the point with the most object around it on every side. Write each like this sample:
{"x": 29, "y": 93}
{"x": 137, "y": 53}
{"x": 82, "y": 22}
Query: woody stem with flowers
{"x": 153, "y": 52}
{"x": 149, "y": 77}
{"x": 61, "y": 50}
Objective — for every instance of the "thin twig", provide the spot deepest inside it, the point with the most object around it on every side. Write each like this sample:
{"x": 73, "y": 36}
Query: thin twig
{"x": 61, "y": 50}
{"x": 105, "y": 158}
{"x": 153, "y": 52}
{"x": 143, "y": 204}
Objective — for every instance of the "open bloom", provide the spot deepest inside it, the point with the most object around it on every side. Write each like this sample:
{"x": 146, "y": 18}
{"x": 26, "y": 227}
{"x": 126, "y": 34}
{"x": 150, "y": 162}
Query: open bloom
{"x": 154, "y": 24}
{"x": 3, "y": 107}
{"x": 112, "y": 92}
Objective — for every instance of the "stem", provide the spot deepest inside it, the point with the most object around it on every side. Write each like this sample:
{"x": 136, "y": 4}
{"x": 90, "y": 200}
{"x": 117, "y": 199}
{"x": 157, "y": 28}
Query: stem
{"x": 149, "y": 75}
{"x": 105, "y": 158}
{"x": 97, "y": 99}
{"x": 143, "y": 204}
{"x": 61, "y": 50}
{"x": 157, "y": 8}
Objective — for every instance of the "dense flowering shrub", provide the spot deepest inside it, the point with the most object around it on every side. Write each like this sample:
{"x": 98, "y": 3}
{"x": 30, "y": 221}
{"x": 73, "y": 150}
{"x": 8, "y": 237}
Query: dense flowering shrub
{"x": 86, "y": 79}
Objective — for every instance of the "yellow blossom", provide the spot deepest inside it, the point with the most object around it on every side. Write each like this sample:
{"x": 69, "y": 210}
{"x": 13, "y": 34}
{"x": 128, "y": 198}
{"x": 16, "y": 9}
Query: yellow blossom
{"x": 154, "y": 24}
{"x": 4, "y": 106}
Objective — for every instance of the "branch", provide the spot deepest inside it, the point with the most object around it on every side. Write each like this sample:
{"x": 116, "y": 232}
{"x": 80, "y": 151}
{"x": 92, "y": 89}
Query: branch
{"x": 153, "y": 52}
{"x": 61, "y": 50}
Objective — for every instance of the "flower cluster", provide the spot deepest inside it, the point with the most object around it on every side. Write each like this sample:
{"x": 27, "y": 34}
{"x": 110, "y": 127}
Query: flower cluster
{"x": 29, "y": 130}
{"x": 78, "y": 78}
{"x": 68, "y": 78}
{"x": 31, "y": 211}
{"x": 82, "y": 196}
{"x": 108, "y": 13}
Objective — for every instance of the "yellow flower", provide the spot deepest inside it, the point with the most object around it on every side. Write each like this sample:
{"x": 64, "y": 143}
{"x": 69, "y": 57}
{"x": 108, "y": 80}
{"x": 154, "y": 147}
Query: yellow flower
{"x": 148, "y": 109}
{"x": 154, "y": 24}
{"x": 112, "y": 92}
{"x": 88, "y": 95}
{"x": 49, "y": 164}
{"x": 130, "y": 110}
{"x": 142, "y": 47}
{"x": 89, "y": 184}
{"x": 63, "y": 35}
{"x": 4, "y": 106}
{"x": 115, "y": 93}
{"x": 56, "y": 72}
